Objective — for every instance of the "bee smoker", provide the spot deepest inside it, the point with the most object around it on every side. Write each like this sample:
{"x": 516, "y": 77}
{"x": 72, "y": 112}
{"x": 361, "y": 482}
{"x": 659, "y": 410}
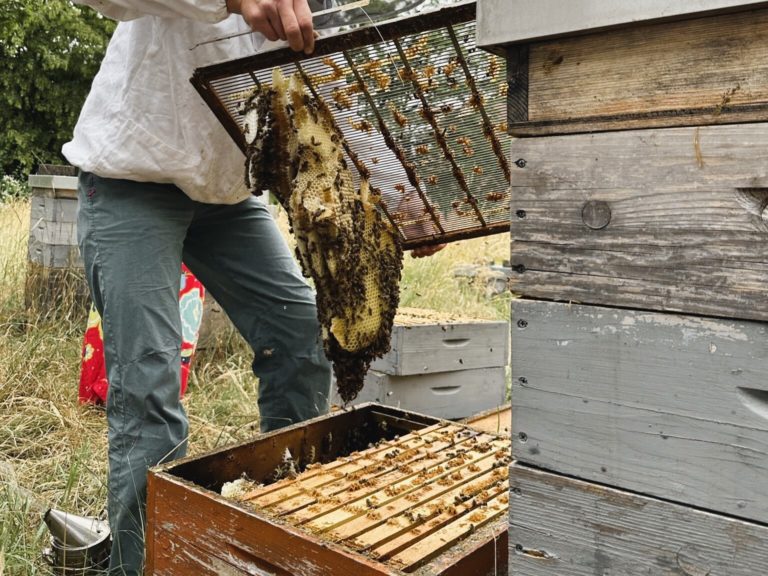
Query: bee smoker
{"x": 80, "y": 546}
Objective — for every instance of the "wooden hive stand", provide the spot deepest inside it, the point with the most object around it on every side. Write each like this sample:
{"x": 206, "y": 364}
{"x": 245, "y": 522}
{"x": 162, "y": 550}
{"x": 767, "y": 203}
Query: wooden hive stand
{"x": 639, "y": 233}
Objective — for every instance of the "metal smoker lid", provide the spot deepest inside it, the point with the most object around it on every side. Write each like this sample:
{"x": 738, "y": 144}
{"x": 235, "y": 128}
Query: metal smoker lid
{"x": 420, "y": 106}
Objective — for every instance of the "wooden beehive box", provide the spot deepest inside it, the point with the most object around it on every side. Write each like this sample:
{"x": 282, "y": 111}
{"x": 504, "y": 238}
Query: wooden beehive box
{"x": 278, "y": 530}
{"x": 425, "y": 341}
{"x": 639, "y": 407}
{"x": 444, "y": 365}
{"x": 54, "y": 269}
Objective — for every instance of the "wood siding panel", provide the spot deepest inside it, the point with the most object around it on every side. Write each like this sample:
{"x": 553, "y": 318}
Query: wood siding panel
{"x": 560, "y": 526}
{"x": 671, "y": 219}
{"x": 444, "y": 347}
{"x": 668, "y": 405}
{"x": 708, "y": 70}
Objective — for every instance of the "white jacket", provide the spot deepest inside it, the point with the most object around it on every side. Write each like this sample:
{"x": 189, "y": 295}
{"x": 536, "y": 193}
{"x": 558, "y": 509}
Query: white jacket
{"x": 143, "y": 120}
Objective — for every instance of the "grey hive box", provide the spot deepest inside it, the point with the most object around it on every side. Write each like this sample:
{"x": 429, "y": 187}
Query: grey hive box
{"x": 456, "y": 394}
{"x": 425, "y": 342}
{"x": 55, "y": 282}
{"x": 639, "y": 226}
{"x": 440, "y": 364}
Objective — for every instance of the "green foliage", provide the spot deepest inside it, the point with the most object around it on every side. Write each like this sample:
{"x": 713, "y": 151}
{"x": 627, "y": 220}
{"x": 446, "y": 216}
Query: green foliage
{"x": 51, "y": 50}
{"x": 12, "y": 188}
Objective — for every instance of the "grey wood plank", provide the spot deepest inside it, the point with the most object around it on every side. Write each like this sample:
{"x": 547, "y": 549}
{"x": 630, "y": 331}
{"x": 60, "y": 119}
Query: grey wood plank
{"x": 456, "y": 394}
{"x": 52, "y": 209}
{"x": 668, "y": 405}
{"x": 686, "y": 219}
{"x": 696, "y": 71}
{"x": 560, "y": 526}
{"x": 54, "y": 255}
{"x": 505, "y": 21}
{"x": 445, "y": 347}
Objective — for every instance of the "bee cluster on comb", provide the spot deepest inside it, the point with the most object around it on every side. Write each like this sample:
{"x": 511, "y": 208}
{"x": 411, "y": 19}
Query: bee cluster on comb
{"x": 354, "y": 255}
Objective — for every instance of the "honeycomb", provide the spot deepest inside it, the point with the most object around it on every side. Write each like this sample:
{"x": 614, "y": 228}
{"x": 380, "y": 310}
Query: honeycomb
{"x": 295, "y": 150}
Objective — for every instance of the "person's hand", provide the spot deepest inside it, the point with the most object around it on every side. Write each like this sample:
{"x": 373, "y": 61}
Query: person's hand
{"x": 289, "y": 20}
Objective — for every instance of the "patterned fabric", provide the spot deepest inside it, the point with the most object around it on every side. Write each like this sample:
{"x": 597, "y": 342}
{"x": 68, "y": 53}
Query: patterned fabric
{"x": 93, "y": 373}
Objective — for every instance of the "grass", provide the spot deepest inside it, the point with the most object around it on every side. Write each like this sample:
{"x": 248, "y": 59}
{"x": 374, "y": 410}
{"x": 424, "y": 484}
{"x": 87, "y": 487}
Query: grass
{"x": 53, "y": 450}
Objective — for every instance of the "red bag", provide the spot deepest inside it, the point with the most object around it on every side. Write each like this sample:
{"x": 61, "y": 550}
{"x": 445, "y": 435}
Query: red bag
{"x": 93, "y": 373}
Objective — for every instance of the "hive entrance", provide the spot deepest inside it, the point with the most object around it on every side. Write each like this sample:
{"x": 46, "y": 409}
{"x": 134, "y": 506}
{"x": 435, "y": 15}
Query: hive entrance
{"x": 419, "y": 105}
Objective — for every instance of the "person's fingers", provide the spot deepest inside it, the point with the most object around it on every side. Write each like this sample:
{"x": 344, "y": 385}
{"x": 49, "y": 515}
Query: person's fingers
{"x": 304, "y": 19}
{"x": 290, "y": 25}
{"x": 259, "y": 15}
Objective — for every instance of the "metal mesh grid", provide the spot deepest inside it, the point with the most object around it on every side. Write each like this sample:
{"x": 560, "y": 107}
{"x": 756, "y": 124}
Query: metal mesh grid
{"x": 420, "y": 106}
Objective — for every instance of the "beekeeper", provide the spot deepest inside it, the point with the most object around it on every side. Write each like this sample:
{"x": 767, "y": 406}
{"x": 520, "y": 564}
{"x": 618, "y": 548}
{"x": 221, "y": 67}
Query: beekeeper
{"x": 161, "y": 180}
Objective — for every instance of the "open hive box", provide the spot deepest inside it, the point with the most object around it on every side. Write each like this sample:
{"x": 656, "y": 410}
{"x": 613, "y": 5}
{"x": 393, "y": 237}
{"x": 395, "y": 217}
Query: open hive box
{"x": 378, "y": 491}
{"x": 422, "y": 109}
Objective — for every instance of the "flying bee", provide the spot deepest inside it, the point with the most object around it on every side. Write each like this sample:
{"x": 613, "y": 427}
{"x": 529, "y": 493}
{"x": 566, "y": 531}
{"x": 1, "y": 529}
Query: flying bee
{"x": 432, "y": 179}
{"x": 446, "y": 108}
{"x": 400, "y": 188}
{"x": 478, "y": 170}
{"x": 422, "y": 149}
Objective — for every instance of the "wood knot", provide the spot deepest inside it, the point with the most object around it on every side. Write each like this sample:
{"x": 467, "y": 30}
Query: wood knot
{"x": 755, "y": 202}
{"x": 596, "y": 214}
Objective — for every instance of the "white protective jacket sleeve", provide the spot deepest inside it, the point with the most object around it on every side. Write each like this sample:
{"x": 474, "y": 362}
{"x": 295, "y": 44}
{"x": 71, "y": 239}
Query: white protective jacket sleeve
{"x": 201, "y": 10}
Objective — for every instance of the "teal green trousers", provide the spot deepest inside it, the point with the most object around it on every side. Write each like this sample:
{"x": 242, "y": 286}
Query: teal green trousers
{"x": 133, "y": 237}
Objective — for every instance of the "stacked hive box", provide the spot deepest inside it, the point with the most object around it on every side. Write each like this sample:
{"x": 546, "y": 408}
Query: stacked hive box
{"x": 440, "y": 364}
{"x": 639, "y": 227}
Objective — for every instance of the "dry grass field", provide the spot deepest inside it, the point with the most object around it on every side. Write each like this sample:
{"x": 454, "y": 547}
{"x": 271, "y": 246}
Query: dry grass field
{"x": 53, "y": 450}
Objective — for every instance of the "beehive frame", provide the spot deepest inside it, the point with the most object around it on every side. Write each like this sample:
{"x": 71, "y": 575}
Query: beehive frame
{"x": 421, "y": 108}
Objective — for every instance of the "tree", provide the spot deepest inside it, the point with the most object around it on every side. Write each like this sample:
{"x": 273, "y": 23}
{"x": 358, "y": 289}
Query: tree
{"x": 51, "y": 50}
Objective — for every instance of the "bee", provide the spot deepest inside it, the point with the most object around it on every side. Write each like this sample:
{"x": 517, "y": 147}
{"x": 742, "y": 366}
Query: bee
{"x": 375, "y": 159}
{"x": 398, "y": 116}
{"x": 400, "y": 188}
{"x": 450, "y": 68}
{"x": 494, "y": 196}
{"x": 361, "y": 125}
{"x": 382, "y": 80}
{"x": 341, "y": 98}
{"x": 493, "y": 68}
{"x": 338, "y": 71}
{"x": 432, "y": 179}
{"x": 446, "y": 108}
{"x": 476, "y": 101}
{"x": 477, "y": 170}
{"x": 422, "y": 149}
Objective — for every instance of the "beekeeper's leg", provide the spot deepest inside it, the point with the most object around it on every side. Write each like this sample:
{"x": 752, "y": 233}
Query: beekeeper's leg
{"x": 244, "y": 262}
{"x": 131, "y": 237}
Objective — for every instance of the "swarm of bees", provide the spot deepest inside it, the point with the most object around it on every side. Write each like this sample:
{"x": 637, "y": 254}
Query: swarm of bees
{"x": 294, "y": 149}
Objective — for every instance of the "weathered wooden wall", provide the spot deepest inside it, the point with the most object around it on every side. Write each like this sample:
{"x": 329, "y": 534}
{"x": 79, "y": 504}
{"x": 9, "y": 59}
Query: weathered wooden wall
{"x": 671, "y": 219}
{"x": 560, "y": 526}
{"x": 664, "y": 404}
{"x": 711, "y": 70}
